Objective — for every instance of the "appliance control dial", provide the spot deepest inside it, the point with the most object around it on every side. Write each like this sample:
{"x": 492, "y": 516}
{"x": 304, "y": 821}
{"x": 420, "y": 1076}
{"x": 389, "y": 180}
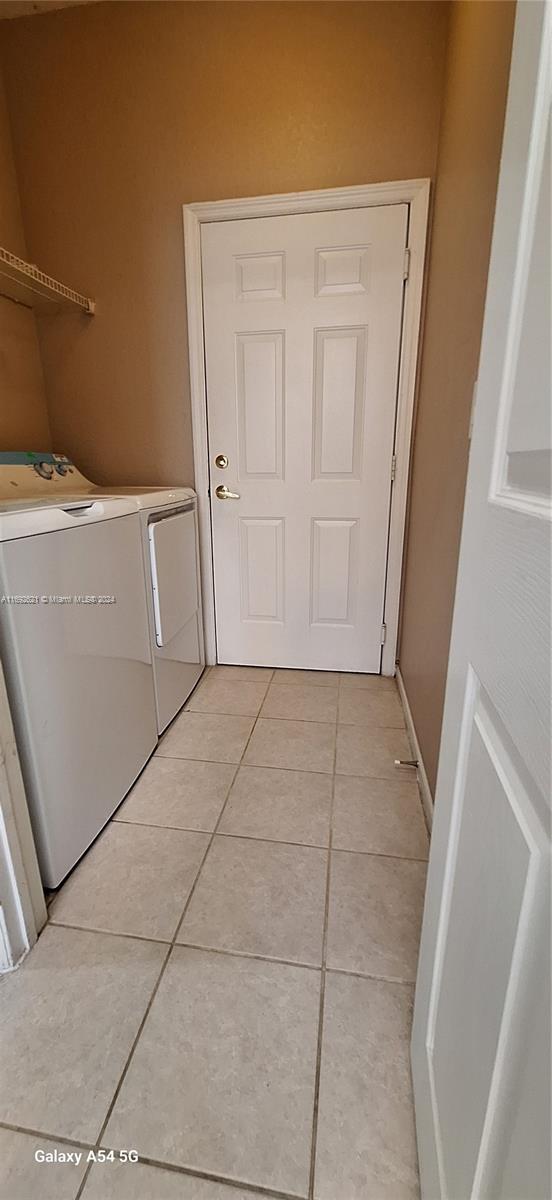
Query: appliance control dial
{"x": 44, "y": 469}
{"x": 62, "y": 468}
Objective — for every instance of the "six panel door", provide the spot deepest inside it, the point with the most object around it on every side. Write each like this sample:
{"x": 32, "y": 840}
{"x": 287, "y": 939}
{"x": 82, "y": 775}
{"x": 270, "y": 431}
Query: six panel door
{"x": 302, "y": 334}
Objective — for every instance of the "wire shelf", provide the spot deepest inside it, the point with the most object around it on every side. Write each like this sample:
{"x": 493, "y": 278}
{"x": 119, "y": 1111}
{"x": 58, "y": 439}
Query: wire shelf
{"x": 24, "y": 283}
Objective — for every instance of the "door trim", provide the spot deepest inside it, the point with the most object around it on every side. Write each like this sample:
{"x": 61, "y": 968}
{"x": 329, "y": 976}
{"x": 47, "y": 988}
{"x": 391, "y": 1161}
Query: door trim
{"x": 22, "y": 906}
{"x": 415, "y": 193}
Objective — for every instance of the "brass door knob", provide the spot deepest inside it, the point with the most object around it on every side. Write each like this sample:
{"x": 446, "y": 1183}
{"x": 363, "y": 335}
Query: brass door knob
{"x": 224, "y": 493}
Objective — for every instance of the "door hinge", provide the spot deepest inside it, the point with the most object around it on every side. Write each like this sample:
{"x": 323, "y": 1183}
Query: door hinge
{"x": 393, "y": 467}
{"x": 383, "y": 634}
{"x": 406, "y": 268}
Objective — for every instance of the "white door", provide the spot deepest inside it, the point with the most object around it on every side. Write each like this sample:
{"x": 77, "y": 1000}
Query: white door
{"x": 302, "y": 336}
{"x": 481, "y": 1039}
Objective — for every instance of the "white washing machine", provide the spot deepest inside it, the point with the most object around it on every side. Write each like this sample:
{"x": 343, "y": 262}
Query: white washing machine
{"x": 76, "y": 649}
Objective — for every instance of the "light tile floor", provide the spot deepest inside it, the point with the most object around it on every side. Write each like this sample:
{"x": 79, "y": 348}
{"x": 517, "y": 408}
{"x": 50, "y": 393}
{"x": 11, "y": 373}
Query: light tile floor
{"x": 225, "y": 982}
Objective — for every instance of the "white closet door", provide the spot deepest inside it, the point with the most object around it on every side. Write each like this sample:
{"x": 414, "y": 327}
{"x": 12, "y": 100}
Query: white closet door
{"x": 302, "y": 327}
{"x": 481, "y": 1042}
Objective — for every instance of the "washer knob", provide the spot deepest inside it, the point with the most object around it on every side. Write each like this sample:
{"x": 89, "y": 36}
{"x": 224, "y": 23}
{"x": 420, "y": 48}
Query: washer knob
{"x": 44, "y": 469}
{"x": 62, "y": 468}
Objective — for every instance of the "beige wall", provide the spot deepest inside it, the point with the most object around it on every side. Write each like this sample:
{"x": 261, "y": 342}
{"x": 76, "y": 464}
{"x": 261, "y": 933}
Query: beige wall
{"x": 476, "y": 80}
{"x": 123, "y": 112}
{"x": 23, "y": 416}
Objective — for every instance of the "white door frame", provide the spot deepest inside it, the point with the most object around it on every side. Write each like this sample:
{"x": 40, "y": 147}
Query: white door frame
{"x": 22, "y": 907}
{"x": 415, "y": 193}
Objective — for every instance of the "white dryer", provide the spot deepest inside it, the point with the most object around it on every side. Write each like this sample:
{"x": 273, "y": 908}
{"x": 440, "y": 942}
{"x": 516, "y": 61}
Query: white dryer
{"x": 171, "y": 563}
{"x": 170, "y": 544}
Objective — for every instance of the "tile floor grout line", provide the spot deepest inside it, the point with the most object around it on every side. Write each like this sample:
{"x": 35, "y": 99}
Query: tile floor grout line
{"x": 217, "y": 762}
{"x": 134, "y": 937}
{"x": 373, "y": 978}
{"x": 124, "y": 1070}
{"x": 263, "y": 767}
{"x": 195, "y": 712}
{"x": 248, "y": 837}
{"x": 134, "y": 1045}
{"x": 213, "y": 1177}
{"x": 47, "y": 1137}
{"x": 377, "y": 854}
{"x": 248, "y": 954}
{"x": 217, "y": 823}
{"x": 316, "y": 1099}
{"x": 252, "y": 837}
{"x": 203, "y": 712}
{"x": 285, "y": 962}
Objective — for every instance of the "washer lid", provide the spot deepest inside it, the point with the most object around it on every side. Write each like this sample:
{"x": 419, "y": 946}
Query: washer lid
{"x": 20, "y": 519}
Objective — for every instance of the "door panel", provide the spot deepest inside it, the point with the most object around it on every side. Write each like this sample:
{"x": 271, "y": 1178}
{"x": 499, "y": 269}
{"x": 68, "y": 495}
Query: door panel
{"x": 261, "y": 566}
{"x": 481, "y": 1037}
{"x": 302, "y": 335}
{"x": 338, "y": 411}
{"x": 260, "y": 405}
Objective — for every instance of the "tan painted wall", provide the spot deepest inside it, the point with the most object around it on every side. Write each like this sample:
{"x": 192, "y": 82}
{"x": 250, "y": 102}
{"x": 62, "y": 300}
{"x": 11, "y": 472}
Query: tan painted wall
{"x": 23, "y": 415}
{"x": 123, "y": 112}
{"x": 474, "y": 99}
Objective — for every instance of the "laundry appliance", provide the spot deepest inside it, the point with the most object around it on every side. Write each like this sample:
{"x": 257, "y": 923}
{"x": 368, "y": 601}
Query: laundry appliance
{"x": 109, "y": 645}
{"x": 168, "y": 517}
{"x": 74, "y": 639}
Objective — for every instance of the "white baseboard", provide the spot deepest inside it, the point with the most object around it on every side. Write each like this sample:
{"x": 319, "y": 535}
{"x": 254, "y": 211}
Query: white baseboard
{"x": 423, "y": 781}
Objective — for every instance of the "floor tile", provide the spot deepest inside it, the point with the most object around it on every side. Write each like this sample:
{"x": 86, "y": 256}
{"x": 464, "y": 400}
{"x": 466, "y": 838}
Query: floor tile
{"x": 375, "y": 914}
{"x": 139, "y": 1181}
{"x": 375, "y": 683}
{"x": 366, "y": 1146}
{"x": 69, "y": 1017}
{"x": 366, "y": 706}
{"x": 206, "y": 736}
{"x": 379, "y": 816}
{"x": 317, "y": 678}
{"x": 222, "y": 1079}
{"x": 135, "y": 879}
{"x": 22, "y": 1177}
{"x": 179, "y": 793}
{"x": 220, "y": 694}
{"x": 255, "y": 674}
{"x": 295, "y": 745}
{"x": 259, "y": 898}
{"x": 370, "y": 752}
{"x": 283, "y": 806}
{"x": 299, "y": 702}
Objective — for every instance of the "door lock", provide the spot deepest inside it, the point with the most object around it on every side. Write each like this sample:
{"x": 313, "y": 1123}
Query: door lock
{"x": 221, "y": 461}
{"x": 224, "y": 493}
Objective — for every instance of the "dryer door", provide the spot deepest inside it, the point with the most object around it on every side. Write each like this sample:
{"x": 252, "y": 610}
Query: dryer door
{"x": 173, "y": 573}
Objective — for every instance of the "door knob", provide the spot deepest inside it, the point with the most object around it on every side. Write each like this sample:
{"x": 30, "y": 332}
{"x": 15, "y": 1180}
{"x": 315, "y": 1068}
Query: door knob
{"x": 224, "y": 493}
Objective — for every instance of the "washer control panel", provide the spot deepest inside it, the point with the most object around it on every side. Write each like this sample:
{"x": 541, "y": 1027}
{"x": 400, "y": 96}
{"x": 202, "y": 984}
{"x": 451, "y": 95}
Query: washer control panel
{"x": 28, "y": 473}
